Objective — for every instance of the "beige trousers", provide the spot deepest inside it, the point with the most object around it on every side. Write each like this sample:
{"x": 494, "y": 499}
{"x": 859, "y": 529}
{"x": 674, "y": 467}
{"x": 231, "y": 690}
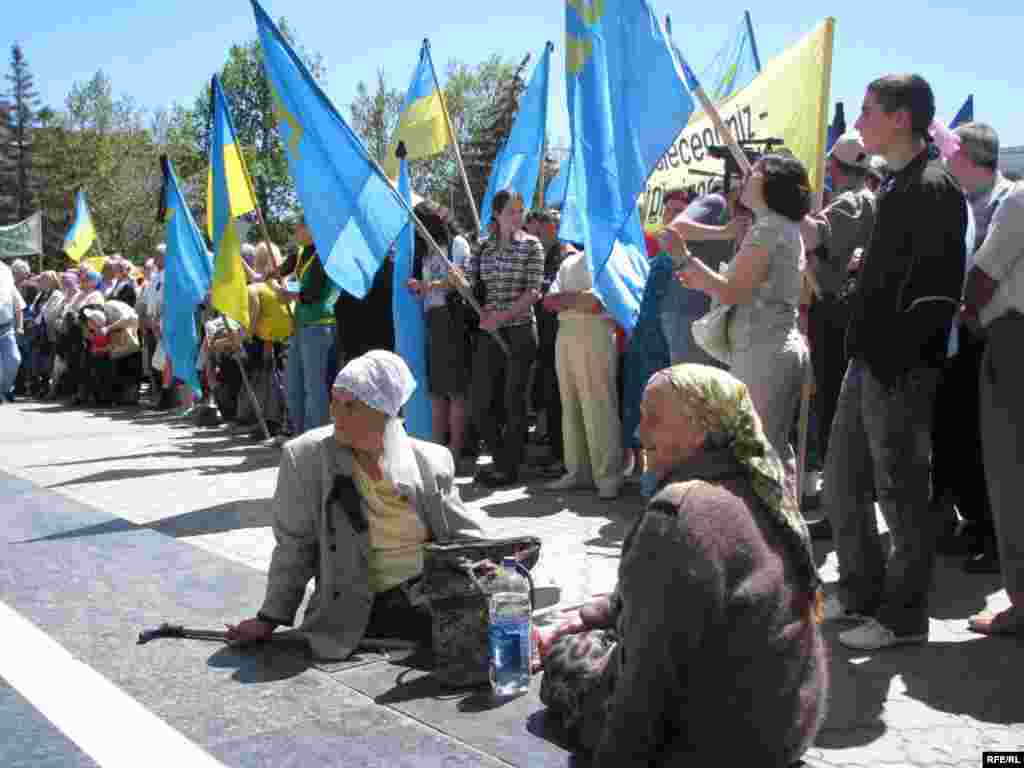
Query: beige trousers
{"x": 585, "y": 360}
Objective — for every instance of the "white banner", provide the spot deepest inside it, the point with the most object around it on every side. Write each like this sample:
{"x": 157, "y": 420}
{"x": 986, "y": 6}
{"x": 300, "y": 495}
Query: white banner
{"x": 22, "y": 239}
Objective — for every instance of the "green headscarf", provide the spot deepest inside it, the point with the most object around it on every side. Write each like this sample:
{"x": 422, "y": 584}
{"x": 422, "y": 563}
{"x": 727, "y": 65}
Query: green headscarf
{"x": 721, "y": 405}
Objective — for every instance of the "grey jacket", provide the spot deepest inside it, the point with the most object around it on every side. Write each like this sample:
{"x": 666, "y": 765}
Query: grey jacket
{"x": 339, "y": 609}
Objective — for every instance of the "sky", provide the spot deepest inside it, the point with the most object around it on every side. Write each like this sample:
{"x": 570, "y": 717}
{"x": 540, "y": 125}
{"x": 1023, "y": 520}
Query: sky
{"x": 164, "y": 53}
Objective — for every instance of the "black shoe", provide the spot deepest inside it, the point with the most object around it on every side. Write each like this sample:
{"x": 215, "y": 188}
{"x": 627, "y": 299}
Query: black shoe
{"x": 496, "y": 479}
{"x": 820, "y": 529}
{"x": 986, "y": 562}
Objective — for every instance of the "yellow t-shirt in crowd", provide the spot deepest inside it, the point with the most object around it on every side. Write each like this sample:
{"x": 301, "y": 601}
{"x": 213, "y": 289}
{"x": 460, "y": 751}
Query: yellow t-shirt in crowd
{"x": 274, "y": 321}
{"x": 396, "y": 533}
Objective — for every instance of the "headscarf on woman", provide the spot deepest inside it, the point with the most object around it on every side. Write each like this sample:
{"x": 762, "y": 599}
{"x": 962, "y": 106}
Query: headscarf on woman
{"x": 383, "y": 381}
{"x": 721, "y": 406}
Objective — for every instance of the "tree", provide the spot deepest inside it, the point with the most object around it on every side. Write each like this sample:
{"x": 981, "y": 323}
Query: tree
{"x": 8, "y": 169}
{"x": 375, "y": 117}
{"x": 24, "y": 101}
{"x": 250, "y": 99}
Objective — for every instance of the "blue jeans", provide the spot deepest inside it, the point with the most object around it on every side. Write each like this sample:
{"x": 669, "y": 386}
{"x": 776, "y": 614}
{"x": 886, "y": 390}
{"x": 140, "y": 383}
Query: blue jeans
{"x": 306, "y": 376}
{"x": 10, "y": 361}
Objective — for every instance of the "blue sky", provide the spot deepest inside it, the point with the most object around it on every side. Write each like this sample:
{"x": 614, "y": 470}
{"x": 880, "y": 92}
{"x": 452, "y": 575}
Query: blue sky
{"x": 164, "y": 52}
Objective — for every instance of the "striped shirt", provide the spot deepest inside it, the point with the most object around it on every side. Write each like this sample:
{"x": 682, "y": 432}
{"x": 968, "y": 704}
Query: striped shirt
{"x": 508, "y": 270}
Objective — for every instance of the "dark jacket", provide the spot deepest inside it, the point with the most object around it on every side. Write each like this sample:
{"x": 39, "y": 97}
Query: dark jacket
{"x": 718, "y": 664}
{"x": 913, "y": 272}
{"x": 365, "y": 324}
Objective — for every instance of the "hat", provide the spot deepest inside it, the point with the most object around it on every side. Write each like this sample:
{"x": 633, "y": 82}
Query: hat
{"x": 849, "y": 150}
{"x": 381, "y": 379}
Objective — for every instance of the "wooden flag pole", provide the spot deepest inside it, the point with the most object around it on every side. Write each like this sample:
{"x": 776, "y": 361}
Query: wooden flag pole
{"x": 454, "y": 139}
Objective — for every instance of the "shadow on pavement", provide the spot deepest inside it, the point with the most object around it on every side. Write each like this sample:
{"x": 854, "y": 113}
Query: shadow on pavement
{"x": 231, "y": 516}
{"x": 958, "y": 678}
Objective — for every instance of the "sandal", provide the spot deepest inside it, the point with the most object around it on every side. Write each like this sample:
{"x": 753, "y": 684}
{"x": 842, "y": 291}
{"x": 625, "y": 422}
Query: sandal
{"x": 1008, "y": 622}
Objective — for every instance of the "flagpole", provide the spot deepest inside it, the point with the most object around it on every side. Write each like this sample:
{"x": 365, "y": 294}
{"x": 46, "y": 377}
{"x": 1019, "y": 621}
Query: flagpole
{"x": 461, "y": 285}
{"x": 453, "y": 137}
{"x": 707, "y": 105}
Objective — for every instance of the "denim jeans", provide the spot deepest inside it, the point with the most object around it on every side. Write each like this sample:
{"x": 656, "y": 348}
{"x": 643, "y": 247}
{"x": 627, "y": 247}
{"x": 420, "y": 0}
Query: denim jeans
{"x": 881, "y": 443}
{"x": 10, "y": 361}
{"x": 306, "y": 376}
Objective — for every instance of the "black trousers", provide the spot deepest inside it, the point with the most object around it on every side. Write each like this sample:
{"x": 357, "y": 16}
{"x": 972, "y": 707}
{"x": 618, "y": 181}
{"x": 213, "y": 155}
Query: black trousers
{"x": 392, "y": 616}
{"x": 826, "y": 327}
{"x": 958, "y": 470}
{"x": 493, "y": 374}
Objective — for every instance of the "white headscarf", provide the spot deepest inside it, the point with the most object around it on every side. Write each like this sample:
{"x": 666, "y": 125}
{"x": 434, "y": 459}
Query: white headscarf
{"x": 384, "y": 382}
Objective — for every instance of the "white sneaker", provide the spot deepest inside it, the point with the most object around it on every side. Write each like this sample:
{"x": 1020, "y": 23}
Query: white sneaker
{"x": 872, "y": 636}
{"x": 835, "y": 610}
{"x": 567, "y": 482}
{"x": 608, "y": 489}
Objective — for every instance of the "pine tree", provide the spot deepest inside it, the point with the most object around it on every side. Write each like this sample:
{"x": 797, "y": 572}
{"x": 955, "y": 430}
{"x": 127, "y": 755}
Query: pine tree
{"x": 24, "y": 102}
{"x": 8, "y": 202}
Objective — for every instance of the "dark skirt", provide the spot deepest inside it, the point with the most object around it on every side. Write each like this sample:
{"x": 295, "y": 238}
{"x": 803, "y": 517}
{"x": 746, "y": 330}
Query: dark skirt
{"x": 579, "y": 678}
{"x": 447, "y": 362}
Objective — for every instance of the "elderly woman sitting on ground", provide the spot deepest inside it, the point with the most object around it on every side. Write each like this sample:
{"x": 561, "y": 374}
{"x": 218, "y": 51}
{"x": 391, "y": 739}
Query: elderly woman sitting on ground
{"x": 355, "y": 503}
{"x": 714, "y": 622}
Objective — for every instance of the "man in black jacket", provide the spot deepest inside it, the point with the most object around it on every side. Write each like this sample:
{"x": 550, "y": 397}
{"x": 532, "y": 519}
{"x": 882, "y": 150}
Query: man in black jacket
{"x": 900, "y": 316}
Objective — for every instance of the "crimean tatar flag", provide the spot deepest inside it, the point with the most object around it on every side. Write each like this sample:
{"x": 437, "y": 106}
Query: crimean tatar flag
{"x": 422, "y": 125}
{"x": 82, "y": 233}
{"x": 228, "y": 197}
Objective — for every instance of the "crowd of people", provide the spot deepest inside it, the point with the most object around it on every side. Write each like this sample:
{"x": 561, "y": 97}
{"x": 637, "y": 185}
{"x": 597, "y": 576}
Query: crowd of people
{"x": 903, "y": 292}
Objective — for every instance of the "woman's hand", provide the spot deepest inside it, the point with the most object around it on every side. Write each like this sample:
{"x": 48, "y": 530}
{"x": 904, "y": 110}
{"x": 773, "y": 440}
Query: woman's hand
{"x": 543, "y": 639}
{"x": 249, "y": 631}
{"x": 489, "y": 320}
{"x": 697, "y": 275}
{"x": 415, "y": 287}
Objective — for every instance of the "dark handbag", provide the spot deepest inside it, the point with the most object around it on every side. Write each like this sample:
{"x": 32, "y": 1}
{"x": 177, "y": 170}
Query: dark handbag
{"x": 456, "y": 576}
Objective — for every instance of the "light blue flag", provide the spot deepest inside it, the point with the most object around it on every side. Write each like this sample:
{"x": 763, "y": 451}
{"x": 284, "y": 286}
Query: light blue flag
{"x": 627, "y": 104}
{"x": 966, "y": 113}
{"x": 352, "y": 211}
{"x": 517, "y": 166}
{"x": 554, "y": 195}
{"x": 735, "y": 65}
{"x": 188, "y": 272}
{"x": 410, "y": 328}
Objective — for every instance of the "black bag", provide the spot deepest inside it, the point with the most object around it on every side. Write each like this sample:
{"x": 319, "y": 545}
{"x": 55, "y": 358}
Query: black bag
{"x": 456, "y": 577}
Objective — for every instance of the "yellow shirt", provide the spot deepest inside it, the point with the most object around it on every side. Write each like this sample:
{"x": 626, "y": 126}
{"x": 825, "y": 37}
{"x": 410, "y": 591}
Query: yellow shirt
{"x": 396, "y": 533}
{"x": 274, "y": 320}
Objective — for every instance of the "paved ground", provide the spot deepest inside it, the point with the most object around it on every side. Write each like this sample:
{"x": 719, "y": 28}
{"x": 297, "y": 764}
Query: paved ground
{"x": 116, "y": 520}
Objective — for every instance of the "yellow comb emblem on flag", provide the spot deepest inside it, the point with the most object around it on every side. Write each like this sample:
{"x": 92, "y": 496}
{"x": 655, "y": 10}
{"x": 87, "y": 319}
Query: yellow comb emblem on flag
{"x": 281, "y": 114}
{"x": 577, "y": 48}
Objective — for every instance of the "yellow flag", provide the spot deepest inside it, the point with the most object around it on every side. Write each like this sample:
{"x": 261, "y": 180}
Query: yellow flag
{"x": 788, "y": 100}
{"x": 228, "y": 290}
{"x": 228, "y": 197}
{"x": 82, "y": 234}
{"x": 423, "y": 125}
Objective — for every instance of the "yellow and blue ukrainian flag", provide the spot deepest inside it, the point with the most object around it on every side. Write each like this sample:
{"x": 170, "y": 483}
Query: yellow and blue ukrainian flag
{"x": 82, "y": 234}
{"x": 351, "y": 209}
{"x": 517, "y": 166}
{"x": 422, "y": 124}
{"x": 735, "y": 64}
{"x": 627, "y": 104}
{"x": 228, "y": 197}
{"x": 188, "y": 272}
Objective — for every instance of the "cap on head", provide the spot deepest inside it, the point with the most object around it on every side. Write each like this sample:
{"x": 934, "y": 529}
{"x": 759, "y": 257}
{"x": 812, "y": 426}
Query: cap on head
{"x": 849, "y": 150}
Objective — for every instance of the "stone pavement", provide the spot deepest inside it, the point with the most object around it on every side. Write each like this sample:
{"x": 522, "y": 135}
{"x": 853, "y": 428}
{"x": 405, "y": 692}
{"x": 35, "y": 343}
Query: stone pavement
{"x": 118, "y": 518}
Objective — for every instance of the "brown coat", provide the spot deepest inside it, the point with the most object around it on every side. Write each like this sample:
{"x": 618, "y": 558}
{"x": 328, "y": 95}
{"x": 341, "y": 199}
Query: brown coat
{"x": 718, "y": 665}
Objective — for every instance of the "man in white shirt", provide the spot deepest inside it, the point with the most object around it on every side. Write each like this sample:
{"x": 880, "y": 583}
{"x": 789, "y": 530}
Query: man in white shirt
{"x": 994, "y": 299}
{"x": 586, "y": 362}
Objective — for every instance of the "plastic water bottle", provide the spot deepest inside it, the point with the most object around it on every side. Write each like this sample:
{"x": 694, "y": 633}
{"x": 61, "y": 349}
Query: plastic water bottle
{"x": 509, "y": 630}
